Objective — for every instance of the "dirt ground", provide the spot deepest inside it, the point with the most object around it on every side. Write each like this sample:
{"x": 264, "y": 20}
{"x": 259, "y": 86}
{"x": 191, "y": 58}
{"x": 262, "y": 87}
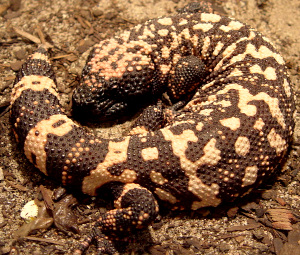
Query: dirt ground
{"x": 266, "y": 222}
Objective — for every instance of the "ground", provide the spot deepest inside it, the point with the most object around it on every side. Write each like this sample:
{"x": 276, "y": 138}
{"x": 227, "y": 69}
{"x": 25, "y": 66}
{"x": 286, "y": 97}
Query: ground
{"x": 267, "y": 222}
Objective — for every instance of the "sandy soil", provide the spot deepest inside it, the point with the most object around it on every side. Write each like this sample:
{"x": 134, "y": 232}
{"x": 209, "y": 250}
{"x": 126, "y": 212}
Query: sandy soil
{"x": 267, "y": 222}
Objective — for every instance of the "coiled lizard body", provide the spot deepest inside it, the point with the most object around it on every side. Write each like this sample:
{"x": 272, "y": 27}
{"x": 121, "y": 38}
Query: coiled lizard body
{"x": 228, "y": 129}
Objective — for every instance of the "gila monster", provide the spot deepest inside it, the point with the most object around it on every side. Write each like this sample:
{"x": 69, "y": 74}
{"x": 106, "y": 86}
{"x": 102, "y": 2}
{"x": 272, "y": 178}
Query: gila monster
{"x": 227, "y": 129}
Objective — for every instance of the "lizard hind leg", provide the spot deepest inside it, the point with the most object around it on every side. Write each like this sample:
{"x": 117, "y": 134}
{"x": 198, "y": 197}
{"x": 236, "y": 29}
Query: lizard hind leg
{"x": 185, "y": 78}
{"x": 135, "y": 208}
{"x": 103, "y": 244}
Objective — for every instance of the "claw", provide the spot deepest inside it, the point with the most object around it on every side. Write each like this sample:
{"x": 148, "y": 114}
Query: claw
{"x": 103, "y": 244}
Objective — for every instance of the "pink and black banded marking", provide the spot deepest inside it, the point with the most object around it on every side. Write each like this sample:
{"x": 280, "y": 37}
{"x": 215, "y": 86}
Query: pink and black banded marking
{"x": 232, "y": 131}
{"x": 212, "y": 119}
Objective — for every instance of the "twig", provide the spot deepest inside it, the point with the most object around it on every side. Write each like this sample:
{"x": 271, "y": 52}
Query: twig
{"x": 43, "y": 240}
{"x": 32, "y": 37}
{"x": 41, "y": 34}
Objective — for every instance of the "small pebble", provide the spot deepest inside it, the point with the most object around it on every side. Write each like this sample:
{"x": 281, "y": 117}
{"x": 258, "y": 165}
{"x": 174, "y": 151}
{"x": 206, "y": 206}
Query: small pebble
{"x": 15, "y": 66}
{"x": 29, "y": 211}
{"x": 20, "y": 54}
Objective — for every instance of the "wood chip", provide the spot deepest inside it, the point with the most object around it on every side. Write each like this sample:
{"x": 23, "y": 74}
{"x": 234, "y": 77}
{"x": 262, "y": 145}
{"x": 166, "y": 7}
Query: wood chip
{"x": 280, "y": 201}
{"x": 17, "y": 186}
{"x": 281, "y": 218}
{"x": 245, "y": 227}
{"x": 47, "y": 197}
{"x": 282, "y": 225}
{"x": 278, "y": 214}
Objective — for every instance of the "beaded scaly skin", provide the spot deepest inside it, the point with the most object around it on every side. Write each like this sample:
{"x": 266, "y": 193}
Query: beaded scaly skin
{"x": 229, "y": 128}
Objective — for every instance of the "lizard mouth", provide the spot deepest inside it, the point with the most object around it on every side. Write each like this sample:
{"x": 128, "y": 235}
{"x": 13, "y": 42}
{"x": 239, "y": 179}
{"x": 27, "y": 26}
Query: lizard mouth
{"x": 92, "y": 109}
